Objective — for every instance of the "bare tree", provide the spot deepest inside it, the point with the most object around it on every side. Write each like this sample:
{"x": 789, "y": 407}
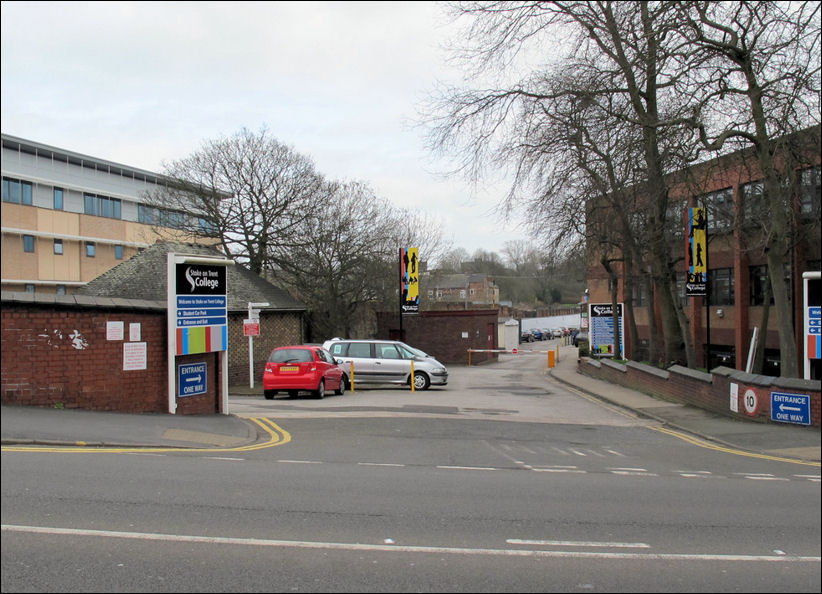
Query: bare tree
{"x": 347, "y": 268}
{"x": 250, "y": 192}
{"x": 627, "y": 50}
{"x": 758, "y": 66}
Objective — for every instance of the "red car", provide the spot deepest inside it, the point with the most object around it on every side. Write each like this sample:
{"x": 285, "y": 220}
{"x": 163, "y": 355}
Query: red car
{"x": 305, "y": 367}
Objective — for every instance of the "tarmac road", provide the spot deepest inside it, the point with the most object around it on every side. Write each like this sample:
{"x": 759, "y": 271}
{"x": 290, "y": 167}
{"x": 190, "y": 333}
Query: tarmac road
{"x": 27, "y": 426}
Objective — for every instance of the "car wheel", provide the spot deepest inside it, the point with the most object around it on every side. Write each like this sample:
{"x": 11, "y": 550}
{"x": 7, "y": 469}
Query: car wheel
{"x": 269, "y": 394}
{"x": 292, "y": 393}
{"x": 341, "y": 390}
{"x": 421, "y": 381}
{"x": 320, "y": 391}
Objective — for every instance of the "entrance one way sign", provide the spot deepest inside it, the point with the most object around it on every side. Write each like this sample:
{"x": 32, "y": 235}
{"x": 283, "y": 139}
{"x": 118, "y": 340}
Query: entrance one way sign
{"x": 191, "y": 378}
{"x": 791, "y": 408}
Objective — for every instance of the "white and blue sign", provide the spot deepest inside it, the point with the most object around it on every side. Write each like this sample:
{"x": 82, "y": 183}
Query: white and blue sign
{"x": 191, "y": 378}
{"x": 791, "y": 408}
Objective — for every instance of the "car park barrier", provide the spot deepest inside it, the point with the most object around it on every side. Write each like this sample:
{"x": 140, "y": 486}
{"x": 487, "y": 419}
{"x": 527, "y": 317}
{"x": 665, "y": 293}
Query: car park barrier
{"x": 552, "y": 355}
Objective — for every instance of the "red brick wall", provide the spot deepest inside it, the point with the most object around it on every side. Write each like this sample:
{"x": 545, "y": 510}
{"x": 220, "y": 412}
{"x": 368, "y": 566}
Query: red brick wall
{"x": 59, "y": 356}
{"x": 708, "y": 391}
{"x": 276, "y": 329}
{"x": 445, "y": 335}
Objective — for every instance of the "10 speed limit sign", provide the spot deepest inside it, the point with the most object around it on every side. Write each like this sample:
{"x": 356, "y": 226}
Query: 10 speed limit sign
{"x": 751, "y": 401}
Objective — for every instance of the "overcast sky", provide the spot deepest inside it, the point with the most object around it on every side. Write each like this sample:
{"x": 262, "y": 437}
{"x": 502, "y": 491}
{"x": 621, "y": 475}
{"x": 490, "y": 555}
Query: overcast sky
{"x": 142, "y": 83}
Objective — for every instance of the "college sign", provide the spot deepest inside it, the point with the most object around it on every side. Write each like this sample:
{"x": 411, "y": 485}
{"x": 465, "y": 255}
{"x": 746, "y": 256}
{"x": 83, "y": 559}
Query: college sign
{"x": 201, "y": 308}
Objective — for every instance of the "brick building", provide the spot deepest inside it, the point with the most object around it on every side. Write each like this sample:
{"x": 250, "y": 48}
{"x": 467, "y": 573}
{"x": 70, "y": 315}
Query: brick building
{"x": 731, "y": 189}
{"x": 69, "y": 217}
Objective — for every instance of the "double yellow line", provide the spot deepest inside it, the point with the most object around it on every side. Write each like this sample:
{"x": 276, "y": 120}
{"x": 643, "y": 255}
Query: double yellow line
{"x": 277, "y": 436}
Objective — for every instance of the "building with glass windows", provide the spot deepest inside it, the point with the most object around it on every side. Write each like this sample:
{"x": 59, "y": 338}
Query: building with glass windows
{"x": 69, "y": 217}
{"x": 730, "y": 189}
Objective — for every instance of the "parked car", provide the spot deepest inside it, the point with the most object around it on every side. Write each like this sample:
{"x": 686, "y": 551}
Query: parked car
{"x": 546, "y": 334}
{"x": 580, "y": 337}
{"x": 386, "y": 362}
{"x": 302, "y": 368}
{"x": 537, "y": 333}
{"x": 557, "y": 333}
{"x": 526, "y": 336}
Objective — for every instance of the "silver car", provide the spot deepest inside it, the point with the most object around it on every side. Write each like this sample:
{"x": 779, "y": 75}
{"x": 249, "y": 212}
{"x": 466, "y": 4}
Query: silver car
{"x": 386, "y": 362}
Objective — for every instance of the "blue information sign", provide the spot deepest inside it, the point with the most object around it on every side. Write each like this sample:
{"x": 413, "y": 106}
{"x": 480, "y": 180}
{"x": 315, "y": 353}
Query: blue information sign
{"x": 191, "y": 378}
{"x": 791, "y": 408}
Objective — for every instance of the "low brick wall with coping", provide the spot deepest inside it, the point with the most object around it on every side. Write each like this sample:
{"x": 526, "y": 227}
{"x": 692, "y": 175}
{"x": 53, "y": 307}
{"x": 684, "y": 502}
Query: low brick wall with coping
{"x": 709, "y": 391}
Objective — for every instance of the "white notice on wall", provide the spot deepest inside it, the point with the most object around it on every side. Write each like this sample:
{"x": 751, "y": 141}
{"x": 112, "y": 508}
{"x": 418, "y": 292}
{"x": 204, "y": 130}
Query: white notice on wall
{"x": 134, "y": 332}
{"x": 735, "y": 397}
{"x": 134, "y": 356}
{"x": 114, "y": 330}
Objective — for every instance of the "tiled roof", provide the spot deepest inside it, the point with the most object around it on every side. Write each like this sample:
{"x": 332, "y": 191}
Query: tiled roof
{"x": 144, "y": 277}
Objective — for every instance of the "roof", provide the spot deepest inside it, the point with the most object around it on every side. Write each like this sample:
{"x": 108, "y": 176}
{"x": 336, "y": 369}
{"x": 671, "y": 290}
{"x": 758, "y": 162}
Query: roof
{"x": 143, "y": 276}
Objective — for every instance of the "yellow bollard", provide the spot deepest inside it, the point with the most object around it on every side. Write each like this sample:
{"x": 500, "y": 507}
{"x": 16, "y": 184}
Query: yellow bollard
{"x": 550, "y": 358}
{"x": 557, "y": 353}
{"x": 412, "y": 376}
{"x": 352, "y": 376}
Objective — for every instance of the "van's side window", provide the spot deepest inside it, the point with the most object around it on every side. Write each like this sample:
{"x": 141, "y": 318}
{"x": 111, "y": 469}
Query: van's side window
{"x": 338, "y": 349}
{"x": 359, "y": 349}
{"x": 387, "y": 351}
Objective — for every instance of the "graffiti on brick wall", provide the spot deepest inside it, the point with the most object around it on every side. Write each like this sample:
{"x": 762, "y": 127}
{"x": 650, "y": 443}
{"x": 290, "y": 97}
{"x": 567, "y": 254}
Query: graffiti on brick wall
{"x": 56, "y": 338}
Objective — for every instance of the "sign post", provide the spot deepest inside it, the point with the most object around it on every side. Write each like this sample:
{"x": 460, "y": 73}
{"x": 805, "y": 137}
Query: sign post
{"x": 251, "y": 328}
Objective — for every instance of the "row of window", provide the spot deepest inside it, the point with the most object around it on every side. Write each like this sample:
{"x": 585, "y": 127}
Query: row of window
{"x": 90, "y": 246}
{"x": 58, "y": 289}
{"x": 720, "y": 204}
{"x": 721, "y": 286}
{"x": 20, "y": 192}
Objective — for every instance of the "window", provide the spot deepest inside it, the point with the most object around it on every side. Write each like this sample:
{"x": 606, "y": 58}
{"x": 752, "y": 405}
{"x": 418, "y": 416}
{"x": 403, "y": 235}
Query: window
{"x": 165, "y": 218}
{"x": 28, "y": 243}
{"x": 810, "y": 192}
{"x": 60, "y": 290}
{"x": 359, "y": 349}
{"x": 58, "y": 247}
{"x": 675, "y": 220}
{"x": 720, "y": 207}
{"x": 29, "y": 288}
{"x": 102, "y": 206}
{"x": 753, "y": 202}
{"x": 90, "y": 202}
{"x": 721, "y": 286}
{"x": 58, "y": 198}
{"x": 118, "y": 252}
{"x": 639, "y": 292}
{"x": 91, "y": 249}
{"x": 758, "y": 277}
{"x": 16, "y": 191}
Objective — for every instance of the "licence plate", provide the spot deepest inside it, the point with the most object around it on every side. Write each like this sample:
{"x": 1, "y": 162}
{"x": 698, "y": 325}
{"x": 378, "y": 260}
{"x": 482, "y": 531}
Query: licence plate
{"x": 289, "y": 369}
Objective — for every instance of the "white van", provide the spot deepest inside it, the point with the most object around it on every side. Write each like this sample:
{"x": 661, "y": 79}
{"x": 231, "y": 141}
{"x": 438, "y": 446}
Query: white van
{"x": 386, "y": 362}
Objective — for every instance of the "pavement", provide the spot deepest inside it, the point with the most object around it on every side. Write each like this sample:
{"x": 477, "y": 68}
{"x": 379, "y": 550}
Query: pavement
{"x": 22, "y": 425}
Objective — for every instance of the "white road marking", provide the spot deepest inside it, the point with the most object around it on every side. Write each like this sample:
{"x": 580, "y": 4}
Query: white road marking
{"x": 575, "y": 543}
{"x": 393, "y": 548}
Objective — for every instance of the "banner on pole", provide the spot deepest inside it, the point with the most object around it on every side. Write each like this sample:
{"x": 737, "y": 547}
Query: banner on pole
{"x": 409, "y": 281}
{"x": 696, "y": 284}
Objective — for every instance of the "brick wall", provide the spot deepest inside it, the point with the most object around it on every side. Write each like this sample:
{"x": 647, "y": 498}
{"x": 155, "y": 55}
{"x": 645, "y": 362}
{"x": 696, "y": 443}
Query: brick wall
{"x": 445, "y": 335}
{"x": 710, "y": 391}
{"x": 56, "y": 352}
{"x": 276, "y": 329}
{"x": 54, "y": 355}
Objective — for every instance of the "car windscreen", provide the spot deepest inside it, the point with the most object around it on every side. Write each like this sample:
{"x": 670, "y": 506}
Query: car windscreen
{"x": 291, "y": 356}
